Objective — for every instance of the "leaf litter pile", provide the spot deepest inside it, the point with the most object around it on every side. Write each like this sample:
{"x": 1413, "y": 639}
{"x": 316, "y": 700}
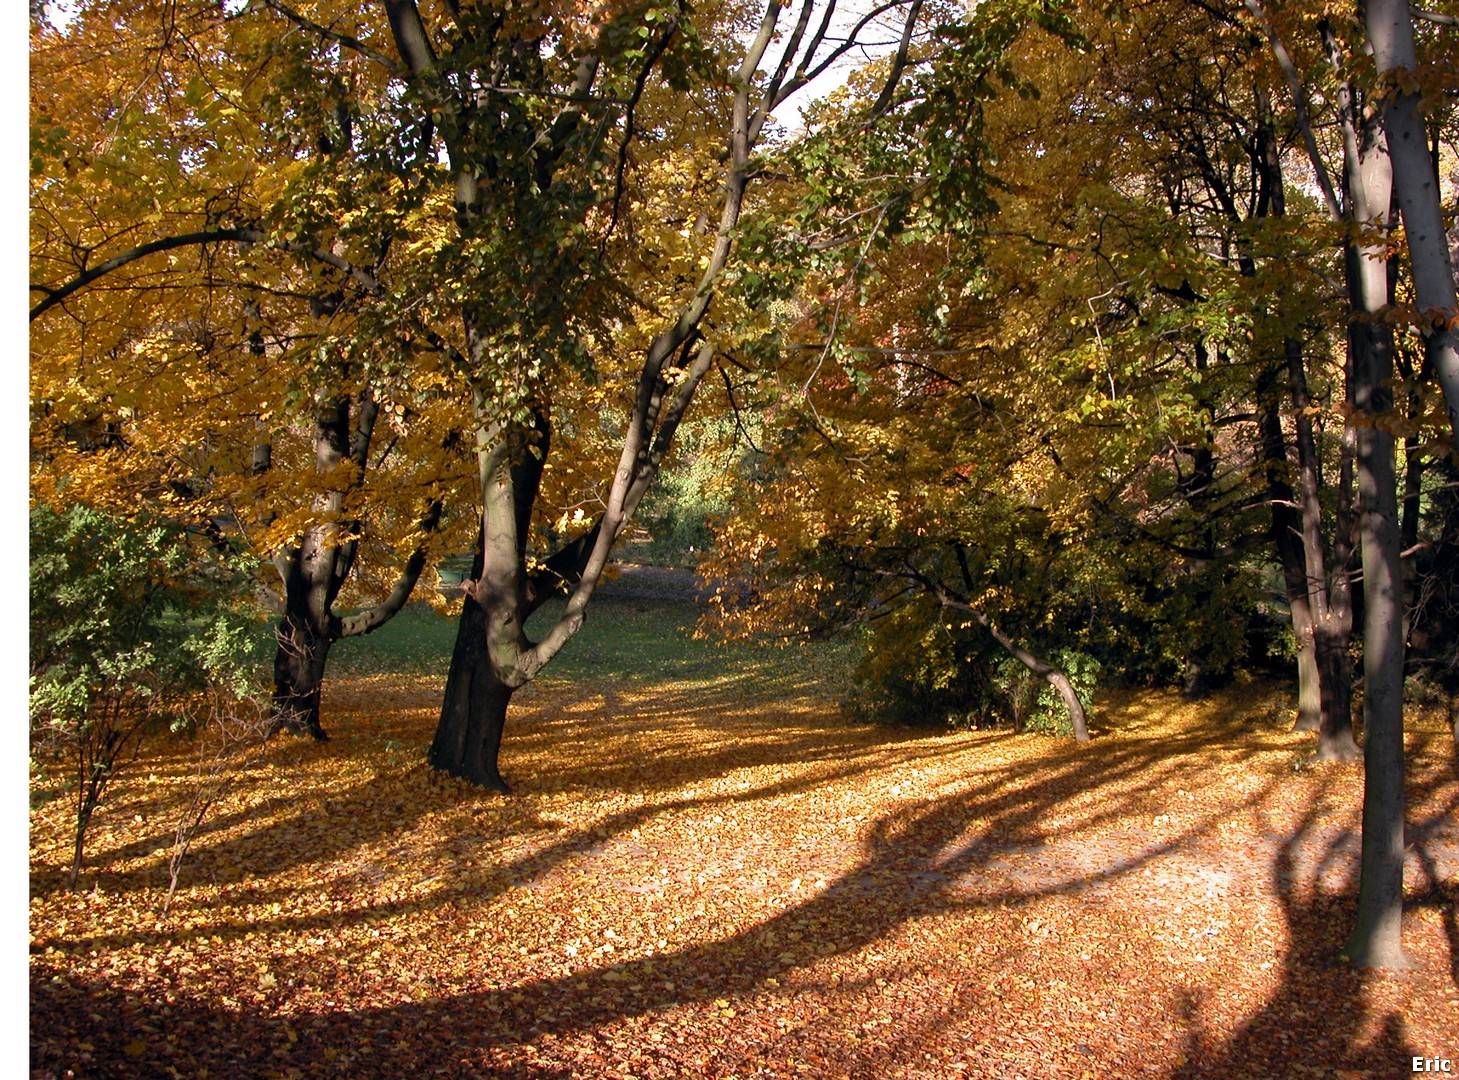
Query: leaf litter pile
{"x": 721, "y": 876}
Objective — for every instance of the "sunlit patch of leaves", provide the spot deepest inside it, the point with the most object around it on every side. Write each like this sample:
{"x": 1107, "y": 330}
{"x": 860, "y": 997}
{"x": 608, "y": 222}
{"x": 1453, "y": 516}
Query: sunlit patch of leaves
{"x": 720, "y": 877}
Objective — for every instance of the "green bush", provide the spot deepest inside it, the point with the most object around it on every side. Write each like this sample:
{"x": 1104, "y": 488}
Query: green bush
{"x": 917, "y": 671}
{"x": 1037, "y": 705}
{"x": 129, "y": 621}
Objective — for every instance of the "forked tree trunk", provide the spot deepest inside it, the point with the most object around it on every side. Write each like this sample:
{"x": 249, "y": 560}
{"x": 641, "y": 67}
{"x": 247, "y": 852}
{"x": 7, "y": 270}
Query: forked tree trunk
{"x": 313, "y": 571}
{"x": 494, "y": 655}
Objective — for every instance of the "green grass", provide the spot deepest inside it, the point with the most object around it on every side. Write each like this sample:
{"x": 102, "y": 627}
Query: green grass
{"x": 631, "y": 640}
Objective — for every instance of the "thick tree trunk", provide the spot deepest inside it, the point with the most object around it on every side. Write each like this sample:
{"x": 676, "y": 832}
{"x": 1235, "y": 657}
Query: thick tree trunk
{"x": 474, "y": 712}
{"x": 1309, "y": 680}
{"x": 312, "y": 572}
{"x": 299, "y": 662}
{"x": 1330, "y": 641}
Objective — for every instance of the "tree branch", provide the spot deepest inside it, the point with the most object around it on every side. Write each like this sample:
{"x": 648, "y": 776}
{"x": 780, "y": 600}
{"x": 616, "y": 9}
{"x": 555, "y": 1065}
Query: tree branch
{"x": 334, "y": 35}
{"x": 169, "y": 243}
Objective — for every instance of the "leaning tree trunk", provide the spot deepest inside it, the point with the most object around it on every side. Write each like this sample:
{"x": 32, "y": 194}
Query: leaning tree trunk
{"x": 1052, "y": 675}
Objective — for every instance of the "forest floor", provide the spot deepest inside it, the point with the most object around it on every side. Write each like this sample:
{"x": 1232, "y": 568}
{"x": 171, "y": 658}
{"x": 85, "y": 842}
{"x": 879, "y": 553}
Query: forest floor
{"x": 706, "y": 870}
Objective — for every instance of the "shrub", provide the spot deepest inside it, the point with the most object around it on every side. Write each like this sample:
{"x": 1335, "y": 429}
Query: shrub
{"x": 128, "y": 622}
{"x": 1037, "y": 705}
{"x": 918, "y": 672}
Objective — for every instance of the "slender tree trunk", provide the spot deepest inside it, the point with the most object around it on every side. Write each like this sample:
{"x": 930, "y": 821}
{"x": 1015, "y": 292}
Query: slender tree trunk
{"x": 1416, "y": 186}
{"x": 1377, "y": 935}
{"x": 1197, "y": 488}
{"x": 1376, "y": 940}
{"x": 1044, "y": 670}
{"x": 1329, "y": 591}
{"x": 1286, "y": 534}
{"x": 1323, "y": 703}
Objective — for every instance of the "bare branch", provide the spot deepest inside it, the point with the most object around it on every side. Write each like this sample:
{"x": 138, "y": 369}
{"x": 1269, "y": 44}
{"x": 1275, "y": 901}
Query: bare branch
{"x": 899, "y": 62}
{"x": 1434, "y": 17}
{"x": 346, "y": 40}
{"x": 1299, "y": 103}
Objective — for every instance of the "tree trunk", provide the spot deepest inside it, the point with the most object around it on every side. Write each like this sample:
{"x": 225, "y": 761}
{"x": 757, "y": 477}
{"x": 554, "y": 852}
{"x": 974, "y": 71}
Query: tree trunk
{"x": 1416, "y": 187}
{"x": 1286, "y": 534}
{"x": 1329, "y": 593}
{"x": 493, "y": 656}
{"x": 1335, "y": 740}
{"x": 313, "y": 571}
{"x": 474, "y": 712}
{"x": 1376, "y": 940}
{"x": 1046, "y": 671}
{"x": 299, "y": 662}
{"x": 1377, "y": 936}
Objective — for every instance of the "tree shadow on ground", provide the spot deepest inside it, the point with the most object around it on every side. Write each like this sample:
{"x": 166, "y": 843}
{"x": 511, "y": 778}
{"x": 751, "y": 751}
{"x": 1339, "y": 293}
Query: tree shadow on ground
{"x": 607, "y": 752}
{"x": 947, "y": 855}
{"x": 1322, "y": 1018}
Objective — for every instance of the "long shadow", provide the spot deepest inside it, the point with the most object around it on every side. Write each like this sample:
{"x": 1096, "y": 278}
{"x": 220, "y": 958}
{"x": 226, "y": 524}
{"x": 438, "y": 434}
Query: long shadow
{"x": 1319, "y": 1016}
{"x": 546, "y": 729}
{"x": 336, "y": 826}
{"x": 927, "y": 860}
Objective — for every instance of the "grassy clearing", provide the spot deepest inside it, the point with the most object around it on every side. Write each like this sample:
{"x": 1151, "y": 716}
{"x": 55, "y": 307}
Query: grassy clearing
{"x": 707, "y": 872}
{"x": 640, "y": 639}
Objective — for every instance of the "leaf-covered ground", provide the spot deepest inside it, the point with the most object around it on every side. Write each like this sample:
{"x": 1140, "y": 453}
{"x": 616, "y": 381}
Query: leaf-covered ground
{"x": 716, "y": 875}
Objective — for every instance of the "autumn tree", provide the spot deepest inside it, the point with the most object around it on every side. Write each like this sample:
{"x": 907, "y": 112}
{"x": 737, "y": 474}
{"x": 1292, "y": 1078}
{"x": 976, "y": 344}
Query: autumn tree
{"x": 194, "y": 345}
{"x": 1367, "y": 113}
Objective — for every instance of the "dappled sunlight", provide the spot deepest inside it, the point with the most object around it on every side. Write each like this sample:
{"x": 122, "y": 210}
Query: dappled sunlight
{"x": 698, "y": 882}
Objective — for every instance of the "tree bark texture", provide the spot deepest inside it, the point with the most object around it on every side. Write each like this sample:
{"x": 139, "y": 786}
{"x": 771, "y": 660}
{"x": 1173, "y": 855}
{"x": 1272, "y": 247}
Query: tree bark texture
{"x": 1416, "y": 185}
{"x": 1376, "y": 940}
{"x": 474, "y": 712}
{"x": 299, "y": 661}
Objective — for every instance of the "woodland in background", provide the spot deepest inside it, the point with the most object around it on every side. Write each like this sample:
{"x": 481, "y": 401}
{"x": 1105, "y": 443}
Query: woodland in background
{"x": 1061, "y": 347}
